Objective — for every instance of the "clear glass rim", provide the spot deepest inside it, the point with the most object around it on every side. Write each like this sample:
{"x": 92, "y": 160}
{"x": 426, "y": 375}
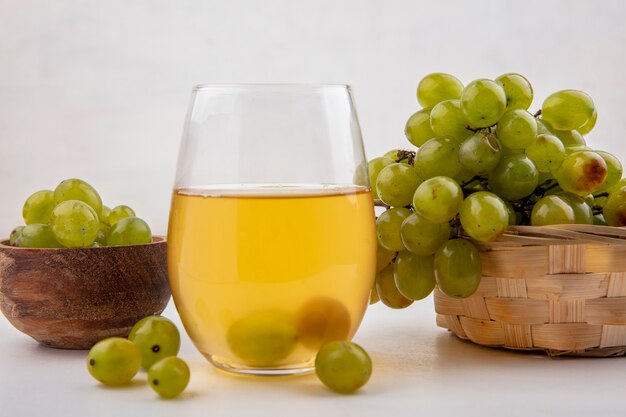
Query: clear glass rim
{"x": 270, "y": 86}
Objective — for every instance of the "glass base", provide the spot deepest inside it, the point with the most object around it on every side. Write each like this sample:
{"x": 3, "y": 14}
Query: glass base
{"x": 287, "y": 370}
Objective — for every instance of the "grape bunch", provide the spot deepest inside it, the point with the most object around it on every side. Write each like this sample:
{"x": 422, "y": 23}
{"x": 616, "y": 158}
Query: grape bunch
{"x": 73, "y": 216}
{"x": 483, "y": 162}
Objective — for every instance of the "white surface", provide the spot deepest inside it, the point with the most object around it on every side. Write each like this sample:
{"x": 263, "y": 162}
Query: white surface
{"x": 419, "y": 370}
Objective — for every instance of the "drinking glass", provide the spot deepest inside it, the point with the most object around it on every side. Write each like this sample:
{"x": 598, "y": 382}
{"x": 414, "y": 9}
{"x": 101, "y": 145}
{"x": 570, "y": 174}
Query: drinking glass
{"x": 271, "y": 241}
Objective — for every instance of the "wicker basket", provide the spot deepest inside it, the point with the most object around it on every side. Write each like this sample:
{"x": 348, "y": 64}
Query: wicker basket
{"x": 558, "y": 289}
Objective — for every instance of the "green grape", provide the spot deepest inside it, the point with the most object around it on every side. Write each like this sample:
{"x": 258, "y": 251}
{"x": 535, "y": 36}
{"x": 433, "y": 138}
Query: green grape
{"x": 458, "y": 268}
{"x": 74, "y": 224}
{"x": 464, "y": 176}
{"x": 37, "y": 235}
{"x": 38, "y": 207}
{"x": 448, "y": 120}
{"x": 114, "y": 361}
{"x": 519, "y": 92}
{"x": 484, "y": 216}
{"x": 75, "y": 189}
{"x": 263, "y": 339}
{"x": 343, "y": 366}
{"x": 374, "y": 167}
{"x": 438, "y": 199}
{"x": 383, "y": 257}
{"x": 583, "y": 214}
{"x": 414, "y": 275}
{"x": 104, "y": 215}
{"x": 614, "y": 171}
{"x": 156, "y": 337}
{"x": 395, "y": 155}
{"x": 322, "y": 320}
{"x": 388, "y": 226}
{"x": 614, "y": 209}
{"x": 15, "y": 234}
{"x": 118, "y": 213}
{"x": 617, "y": 186}
{"x": 129, "y": 231}
{"x": 374, "y": 298}
{"x": 598, "y": 220}
{"x": 589, "y": 199}
{"x": 396, "y": 184}
{"x": 169, "y": 377}
{"x": 571, "y": 149}
{"x": 423, "y": 237}
{"x": 103, "y": 233}
{"x": 387, "y": 290}
{"x": 567, "y": 109}
{"x": 417, "y": 129}
{"x": 511, "y": 212}
{"x": 591, "y": 123}
{"x": 483, "y": 102}
{"x": 552, "y": 209}
{"x": 517, "y": 129}
{"x": 515, "y": 177}
{"x": 582, "y": 172}
{"x": 438, "y": 87}
{"x": 547, "y": 153}
{"x": 508, "y": 151}
{"x": 438, "y": 156}
{"x": 544, "y": 128}
{"x": 480, "y": 153}
{"x": 570, "y": 138}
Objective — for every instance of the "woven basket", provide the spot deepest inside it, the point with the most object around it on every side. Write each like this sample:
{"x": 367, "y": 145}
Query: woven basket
{"x": 558, "y": 289}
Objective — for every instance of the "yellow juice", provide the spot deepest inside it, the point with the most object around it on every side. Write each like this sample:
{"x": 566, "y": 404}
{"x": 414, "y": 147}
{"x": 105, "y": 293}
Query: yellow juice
{"x": 262, "y": 277}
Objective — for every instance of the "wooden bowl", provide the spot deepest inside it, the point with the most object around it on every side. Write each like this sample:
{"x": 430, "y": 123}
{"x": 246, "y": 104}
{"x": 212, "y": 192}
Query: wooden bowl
{"x": 71, "y": 298}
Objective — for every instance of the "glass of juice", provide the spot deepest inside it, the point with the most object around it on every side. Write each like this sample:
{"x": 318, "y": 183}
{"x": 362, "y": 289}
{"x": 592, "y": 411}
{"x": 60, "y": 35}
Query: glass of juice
{"x": 271, "y": 241}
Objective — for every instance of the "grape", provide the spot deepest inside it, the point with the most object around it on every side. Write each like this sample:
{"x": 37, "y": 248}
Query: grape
{"x": 547, "y": 153}
{"x": 484, "y": 216}
{"x": 571, "y": 149}
{"x": 374, "y": 298}
{"x": 517, "y": 129}
{"x": 374, "y": 167}
{"x": 129, "y": 231}
{"x": 437, "y": 87}
{"x": 583, "y": 214}
{"x": 614, "y": 209}
{"x": 103, "y": 233}
{"x": 458, "y": 268}
{"x": 169, "y": 377}
{"x": 448, "y": 120}
{"x": 388, "y": 226}
{"x": 74, "y": 224}
{"x": 480, "y": 153}
{"x": 37, "y": 235}
{"x": 394, "y": 154}
{"x": 262, "y": 339}
{"x": 519, "y": 92}
{"x": 75, "y": 189}
{"x": 114, "y": 361}
{"x": 383, "y": 257}
{"x": 511, "y": 212}
{"x": 544, "y": 128}
{"x": 567, "y": 109}
{"x": 438, "y": 199}
{"x": 598, "y": 220}
{"x": 438, "y": 156}
{"x": 614, "y": 171}
{"x": 118, "y": 213}
{"x": 570, "y": 138}
{"x": 396, "y": 184}
{"x": 15, "y": 234}
{"x": 343, "y": 366}
{"x": 38, "y": 207}
{"x": 104, "y": 215}
{"x": 587, "y": 127}
{"x": 582, "y": 172}
{"x": 617, "y": 186}
{"x": 423, "y": 237}
{"x": 515, "y": 177}
{"x": 483, "y": 102}
{"x": 387, "y": 290}
{"x": 156, "y": 337}
{"x": 322, "y": 320}
{"x": 417, "y": 129}
{"x": 552, "y": 209}
{"x": 414, "y": 275}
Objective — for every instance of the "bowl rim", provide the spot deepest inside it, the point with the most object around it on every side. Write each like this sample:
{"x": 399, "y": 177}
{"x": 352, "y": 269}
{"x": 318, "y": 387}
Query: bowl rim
{"x": 156, "y": 240}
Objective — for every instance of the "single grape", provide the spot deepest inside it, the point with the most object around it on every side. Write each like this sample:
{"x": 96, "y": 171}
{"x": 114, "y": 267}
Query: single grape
{"x": 570, "y": 138}
{"x": 480, "y": 153}
{"x": 129, "y": 231}
{"x": 591, "y": 123}
{"x": 448, "y": 120}
{"x": 38, "y": 207}
{"x": 438, "y": 199}
{"x": 114, "y": 361}
{"x": 383, "y": 257}
{"x": 582, "y": 172}
{"x": 614, "y": 171}
{"x": 388, "y": 226}
{"x": 15, "y": 234}
{"x": 397, "y": 155}
{"x": 37, "y": 235}
{"x": 118, "y": 213}
{"x": 583, "y": 214}
{"x": 156, "y": 337}
{"x": 103, "y": 234}
{"x": 387, "y": 290}
{"x": 414, "y": 275}
{"x": 423, "y": 237}
{"x": 517, "y": 129}
{"x": 417, "y": 129}
{"x": 515, "y": 177}
{"x": 322, "y": 320}
{"x": 519, "y": 92}
{"x": 169, "y": 377}
{"x": 483, "y": 102}
{"x": 437, "y": 87}
{"x": 552, "y": 209}
{"x": 458, "y": 268}
{"x": 484, "y": 216}
{"x": 396, "y": 184}
{"x": 74, "y": 224}
{"x": 343, "y": 366}
{"x": 438, "y": 156}
{"x": 374, "y": 167}
{"x": 598, "y": 220}
{"x": 547, "y": 153}
{"x": 104, "y": 215}
{"x": 567, "y": 109}
{"x": 614, "y": 209}
{"x": 75, "y": 189}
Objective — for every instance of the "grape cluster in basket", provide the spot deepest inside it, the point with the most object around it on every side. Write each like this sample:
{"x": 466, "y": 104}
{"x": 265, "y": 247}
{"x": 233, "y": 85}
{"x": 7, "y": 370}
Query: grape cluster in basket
{"x": 483, "y": 162}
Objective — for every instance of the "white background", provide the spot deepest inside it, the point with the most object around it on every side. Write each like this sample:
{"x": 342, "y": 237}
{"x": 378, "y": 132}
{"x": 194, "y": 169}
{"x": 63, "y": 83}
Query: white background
{"x": 99, "y": 89}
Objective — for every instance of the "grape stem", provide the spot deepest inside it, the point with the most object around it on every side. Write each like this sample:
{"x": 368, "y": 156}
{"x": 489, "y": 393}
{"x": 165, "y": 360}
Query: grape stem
{"x": 409, "y": 155}
{"x": 537, "y": 113}
{"x": 606, "y": 194}
{"x": 379, "y": 203}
